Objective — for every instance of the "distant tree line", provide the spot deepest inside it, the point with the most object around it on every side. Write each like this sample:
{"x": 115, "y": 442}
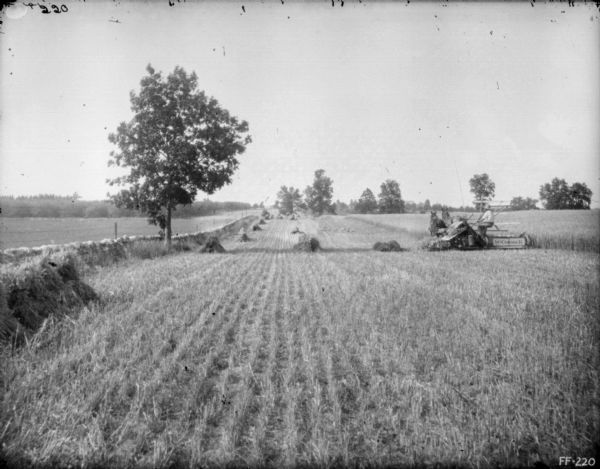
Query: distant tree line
{"x": 57, "y": 206}
{"x": 555, "y": 195}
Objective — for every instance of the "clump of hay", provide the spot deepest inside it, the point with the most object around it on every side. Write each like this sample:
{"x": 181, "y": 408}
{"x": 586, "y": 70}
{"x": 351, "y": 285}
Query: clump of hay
{"x": 213, "y": 245}
{"x": 183, "y": 246}
{"x": 245, "y": 238}
{"x": 297, "y": 231}
{"x": 307, "y": 244}
{"x": 34, "y": 292}
{"x": 256, "y": 228}
{"x": 262, "y": 222}
{"x": 390, "y": 246}
{"x": 9, "y": 326}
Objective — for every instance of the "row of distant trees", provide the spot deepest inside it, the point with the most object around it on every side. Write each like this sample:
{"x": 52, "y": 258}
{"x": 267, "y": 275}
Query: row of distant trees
{"x": 555, "y": 195}
{"x": 317, "y": 198}
{"x": 56, "y": 206}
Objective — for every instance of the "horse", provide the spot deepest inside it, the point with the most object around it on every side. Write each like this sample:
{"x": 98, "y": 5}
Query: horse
{"x": 435, "y": 223}
{"x": 446, "y": 217}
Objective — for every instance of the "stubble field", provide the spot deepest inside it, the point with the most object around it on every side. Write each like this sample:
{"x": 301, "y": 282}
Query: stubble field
{"x": 269, "y": 356}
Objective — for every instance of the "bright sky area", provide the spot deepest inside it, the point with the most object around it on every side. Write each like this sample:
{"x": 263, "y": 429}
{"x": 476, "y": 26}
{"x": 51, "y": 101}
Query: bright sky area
{"x": 427, "y": 94}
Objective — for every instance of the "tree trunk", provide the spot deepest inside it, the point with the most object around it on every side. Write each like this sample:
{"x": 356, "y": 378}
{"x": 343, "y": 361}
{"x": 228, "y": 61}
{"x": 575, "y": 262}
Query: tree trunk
{"x": 168, "y": 228}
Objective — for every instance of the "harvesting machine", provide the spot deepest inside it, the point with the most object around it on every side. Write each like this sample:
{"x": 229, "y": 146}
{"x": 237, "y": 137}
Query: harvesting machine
{"x": 463, "y": 235}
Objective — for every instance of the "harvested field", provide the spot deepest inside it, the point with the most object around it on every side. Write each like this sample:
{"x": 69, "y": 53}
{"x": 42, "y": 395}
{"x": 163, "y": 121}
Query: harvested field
{"x": 265, "y": 356}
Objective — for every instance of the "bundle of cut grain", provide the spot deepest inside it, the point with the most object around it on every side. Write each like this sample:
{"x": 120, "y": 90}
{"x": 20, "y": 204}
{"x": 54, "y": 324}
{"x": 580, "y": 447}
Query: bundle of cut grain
{"x": 307, "y": 244}
{"x": 9, "y": 326}
{"x": 390, "y": 246}
{"x": 244, "y": 238}
{"x": 34, "y": 292}
{"x": 213, "y": 245}
{"x": 256, "y": 228}
{"x": 262, "y": 222}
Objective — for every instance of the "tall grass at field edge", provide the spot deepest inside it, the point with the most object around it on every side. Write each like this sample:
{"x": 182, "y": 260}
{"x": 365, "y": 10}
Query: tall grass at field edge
{"x": 573, "y": 231}
{"x": 569, "y": 242}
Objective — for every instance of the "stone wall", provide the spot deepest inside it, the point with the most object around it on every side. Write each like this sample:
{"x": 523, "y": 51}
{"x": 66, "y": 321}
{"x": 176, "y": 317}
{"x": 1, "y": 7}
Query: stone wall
{"x": 89, "y": 251}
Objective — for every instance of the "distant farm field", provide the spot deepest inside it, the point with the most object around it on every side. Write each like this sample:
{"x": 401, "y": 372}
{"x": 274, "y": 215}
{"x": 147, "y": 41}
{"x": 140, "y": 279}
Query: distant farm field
{"x": 266, "y": 356}
{"x": 30, "y": 232}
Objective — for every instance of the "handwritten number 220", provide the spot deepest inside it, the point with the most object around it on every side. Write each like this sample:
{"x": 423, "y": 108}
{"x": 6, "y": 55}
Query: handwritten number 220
{"x": 55, "y": 8}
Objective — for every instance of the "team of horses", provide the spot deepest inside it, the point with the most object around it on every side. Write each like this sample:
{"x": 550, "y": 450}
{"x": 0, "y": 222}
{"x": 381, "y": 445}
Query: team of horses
{"x": 436, "y": 223}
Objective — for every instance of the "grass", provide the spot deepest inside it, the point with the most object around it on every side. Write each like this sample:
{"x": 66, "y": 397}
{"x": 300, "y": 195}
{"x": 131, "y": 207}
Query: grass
{"x": 152, "y": 249}
{"x": 268, "y": 356}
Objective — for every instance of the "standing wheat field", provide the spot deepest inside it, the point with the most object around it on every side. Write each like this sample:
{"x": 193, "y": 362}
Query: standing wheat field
{"x": 265, "y": 356}
{"x": 576, "y": 230}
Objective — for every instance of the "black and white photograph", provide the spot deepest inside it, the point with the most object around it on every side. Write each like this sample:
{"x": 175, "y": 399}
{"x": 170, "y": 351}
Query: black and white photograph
{"x": 297, "y": 234}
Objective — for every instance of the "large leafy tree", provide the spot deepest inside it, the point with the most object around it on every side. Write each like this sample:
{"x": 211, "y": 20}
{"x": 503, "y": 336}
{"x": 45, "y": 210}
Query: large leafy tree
{"x": 558, "y": 195}
{"x": 482, "y": 187}
{"x": 367, "y": 203}
{"x": 319, "y": 196}
{"x": 390, "y": 197}
{"x": 581, "y": 196}
{"x": 289, "y": 200}
{"x": 178, "y": 142}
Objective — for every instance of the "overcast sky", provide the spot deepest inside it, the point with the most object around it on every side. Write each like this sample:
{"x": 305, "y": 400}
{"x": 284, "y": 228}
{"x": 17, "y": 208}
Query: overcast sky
{"x": 427, "y": 94}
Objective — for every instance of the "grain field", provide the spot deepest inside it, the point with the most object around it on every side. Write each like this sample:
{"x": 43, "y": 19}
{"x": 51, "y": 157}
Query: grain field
{"x": 264, "y": 356}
